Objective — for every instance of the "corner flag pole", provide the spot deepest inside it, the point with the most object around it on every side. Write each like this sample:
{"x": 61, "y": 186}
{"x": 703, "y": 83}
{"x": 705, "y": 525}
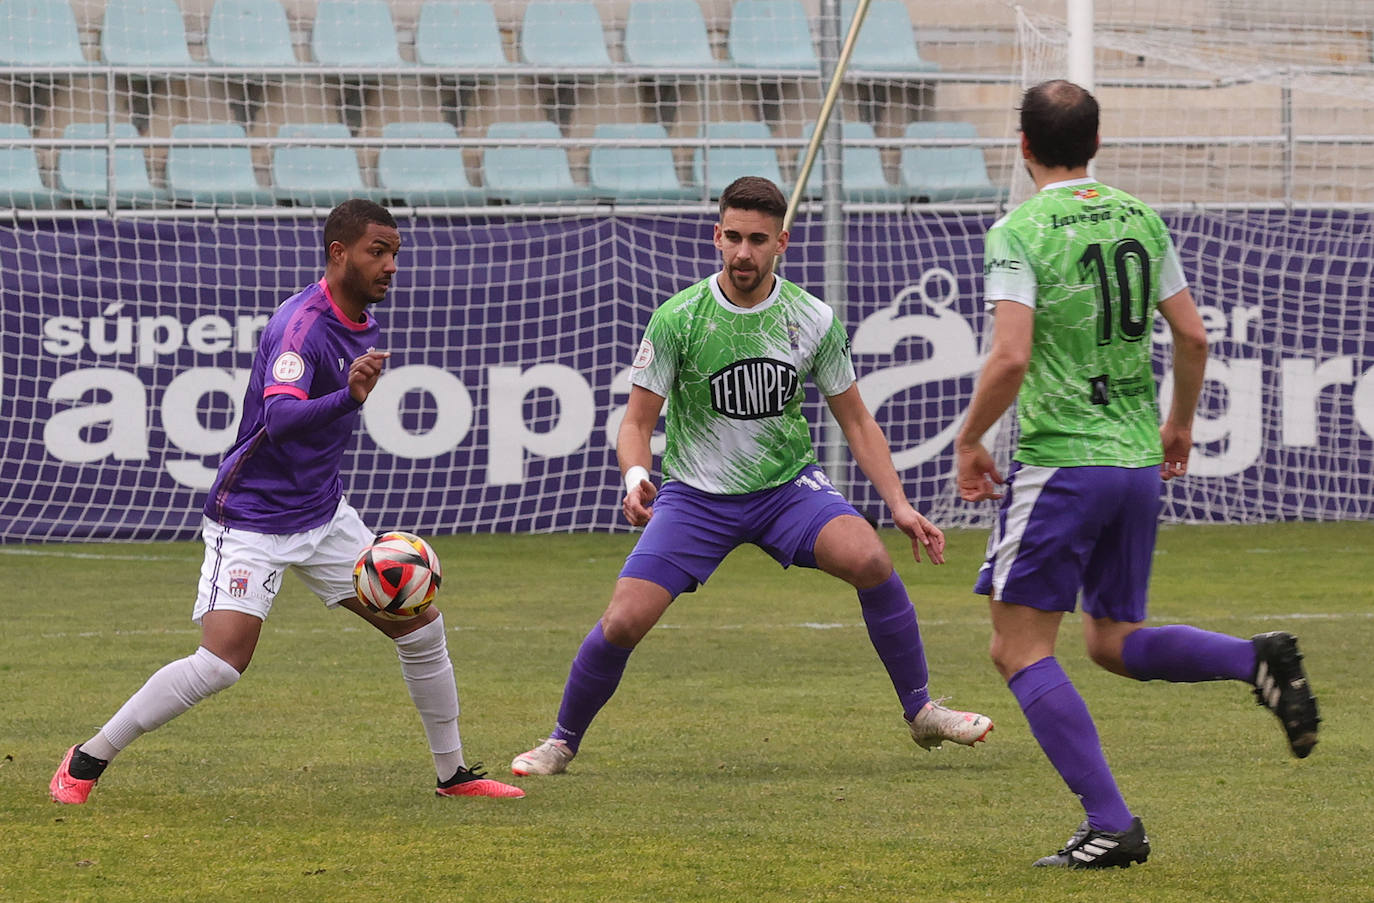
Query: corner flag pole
{"x": 823, "y": 119}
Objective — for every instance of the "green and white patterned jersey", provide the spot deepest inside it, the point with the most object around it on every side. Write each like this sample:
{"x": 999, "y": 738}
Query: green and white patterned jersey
{"x": 1094, "y": 263}
{"x": 733, "y": 380}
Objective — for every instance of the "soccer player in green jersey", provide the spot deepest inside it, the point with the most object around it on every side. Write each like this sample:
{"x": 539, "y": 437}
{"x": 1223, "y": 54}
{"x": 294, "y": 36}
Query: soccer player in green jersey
{"x": 1075, "y": 277}
{"x": 729, "y": 355}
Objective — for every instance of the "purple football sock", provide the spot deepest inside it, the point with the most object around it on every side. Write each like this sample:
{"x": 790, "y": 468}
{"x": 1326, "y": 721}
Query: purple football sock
{"x": 1060, "y": 721}
{"x": 892, "y": 627}
{"x": 596, "y": 672}
{"x": 1184, "y": 654}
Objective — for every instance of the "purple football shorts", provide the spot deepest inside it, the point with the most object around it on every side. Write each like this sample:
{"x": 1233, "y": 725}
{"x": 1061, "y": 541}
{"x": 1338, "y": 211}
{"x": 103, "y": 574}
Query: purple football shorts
{"x": 692, "y": 531}
{"x": 1065, "y": 529}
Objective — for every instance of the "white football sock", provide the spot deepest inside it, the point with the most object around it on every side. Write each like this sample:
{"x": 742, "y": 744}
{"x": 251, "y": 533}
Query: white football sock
{"x": 168, "y": 693}
{"x": 428, "y": 674}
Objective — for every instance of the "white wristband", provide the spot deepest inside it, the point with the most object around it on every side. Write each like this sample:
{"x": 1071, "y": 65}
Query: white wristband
{"x": 633, "y": 476}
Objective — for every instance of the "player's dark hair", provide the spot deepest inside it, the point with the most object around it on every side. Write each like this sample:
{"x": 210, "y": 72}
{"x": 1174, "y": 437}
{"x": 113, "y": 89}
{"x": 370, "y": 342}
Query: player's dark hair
{"x": 1060, "y": 122}
{"x": 349, "y": 221}
{"x": 754, "y": 193}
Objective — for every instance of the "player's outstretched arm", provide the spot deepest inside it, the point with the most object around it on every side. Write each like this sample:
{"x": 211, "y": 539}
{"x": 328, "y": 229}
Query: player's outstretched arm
{"x": 635, "y": 454}
{"x": 870, "y": 449}
{"x": 1190, "y": 360}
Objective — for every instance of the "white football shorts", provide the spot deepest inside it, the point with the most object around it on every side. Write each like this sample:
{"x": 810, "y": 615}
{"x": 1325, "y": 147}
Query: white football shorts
{"x": 243, "y": 570}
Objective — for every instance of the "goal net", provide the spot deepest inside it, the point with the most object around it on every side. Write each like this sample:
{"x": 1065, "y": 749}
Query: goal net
{"x": 165, "y": 167}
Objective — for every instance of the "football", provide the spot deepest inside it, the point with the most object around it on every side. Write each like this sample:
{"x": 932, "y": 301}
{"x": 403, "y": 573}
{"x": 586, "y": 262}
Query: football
{"x": 397, "y": 576}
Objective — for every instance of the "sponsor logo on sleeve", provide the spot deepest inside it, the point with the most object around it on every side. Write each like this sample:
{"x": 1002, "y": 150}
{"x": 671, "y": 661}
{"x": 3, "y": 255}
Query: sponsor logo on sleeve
{"x": 645, "y": 356}
{"x": 288, "y": 367}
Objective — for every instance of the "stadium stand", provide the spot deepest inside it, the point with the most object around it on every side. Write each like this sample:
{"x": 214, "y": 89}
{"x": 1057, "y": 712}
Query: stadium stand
{"x": 631, "y": 174}
{"x": 213, "y": 175}
{"x": 424, "y": 176}
{"x": 83, "y": 172}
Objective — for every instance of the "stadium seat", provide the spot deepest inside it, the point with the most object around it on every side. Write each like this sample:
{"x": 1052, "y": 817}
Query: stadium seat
{"x": 351, "y": 34}
{"x": 862, "y": 176}
{"x": 39, "y": 33}
{"x": 627, "y": 174}
{"x": 83, "y": 172}
{"x": 529, "y": 174}
{"x": 718, "y": 163}
{"x": 946, "y": 173}
{"x": 144, "y": 33}
{"x": 317, "y": 176}
{"x": 887, "y": 40}
{"x": 670, "y": 33}
{"x": 424, "y": 176}
{"x": 459, "y": 34}
{"x": 217, "y": 176}
{"x": 249, "y": 33}
{"x": 563, "y": 33}
{"x": 20, "y": 183}
{"x": 771, "y": 34}
{"x": 354, "y": 33}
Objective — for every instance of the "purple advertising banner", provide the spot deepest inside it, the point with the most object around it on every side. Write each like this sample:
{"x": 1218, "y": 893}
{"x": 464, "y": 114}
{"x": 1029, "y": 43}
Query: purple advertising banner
{"x": 126, "y": 345}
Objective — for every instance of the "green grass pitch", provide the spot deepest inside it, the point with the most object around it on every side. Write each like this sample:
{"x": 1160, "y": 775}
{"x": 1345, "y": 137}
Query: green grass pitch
{"x": 753, "y": 753}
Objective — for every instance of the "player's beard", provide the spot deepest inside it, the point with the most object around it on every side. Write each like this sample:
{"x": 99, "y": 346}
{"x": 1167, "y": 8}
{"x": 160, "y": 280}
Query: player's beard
{"x": 360, "y": 286}
{"x": 747, "y": 281}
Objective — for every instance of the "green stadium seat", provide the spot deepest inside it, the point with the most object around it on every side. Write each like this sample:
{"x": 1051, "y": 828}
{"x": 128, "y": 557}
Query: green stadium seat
{"x": 630, "y": 174}
{"x": 946, "y": 173}
{"x": 353, "y": 33}
{"x": 21, "y": 186}
{"x": 39, "y": 33}
{"x": 83, "y": 172}
{"x": 886, "y": 40}
{"x": 563, "y": 33}
{"x": 719, "y": 163}
{"x": 459, "y": 34}
{"x": 317, "y": 175}
{"x": 771, "y": 34}
{"x": 529, "y": 174}
{"x": 670, "y": 33}
{"x": 144, "y": 33}
{"x": 249, "y": 33}
{"x": 862, "y": 177}
{"x": 424, "y": 176}
{"x": 214, "y": 176}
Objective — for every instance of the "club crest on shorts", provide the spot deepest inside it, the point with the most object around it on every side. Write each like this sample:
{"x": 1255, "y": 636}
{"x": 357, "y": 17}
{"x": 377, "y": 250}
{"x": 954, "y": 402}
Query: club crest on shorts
{"x": 238, "y": 582}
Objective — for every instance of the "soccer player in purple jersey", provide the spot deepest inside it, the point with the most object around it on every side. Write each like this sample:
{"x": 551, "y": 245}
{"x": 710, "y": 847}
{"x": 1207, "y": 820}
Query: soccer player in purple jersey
{"x": 728, "y": 355}
{"x": 277, "y": 504}
{"x": 1074, "y": 277}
